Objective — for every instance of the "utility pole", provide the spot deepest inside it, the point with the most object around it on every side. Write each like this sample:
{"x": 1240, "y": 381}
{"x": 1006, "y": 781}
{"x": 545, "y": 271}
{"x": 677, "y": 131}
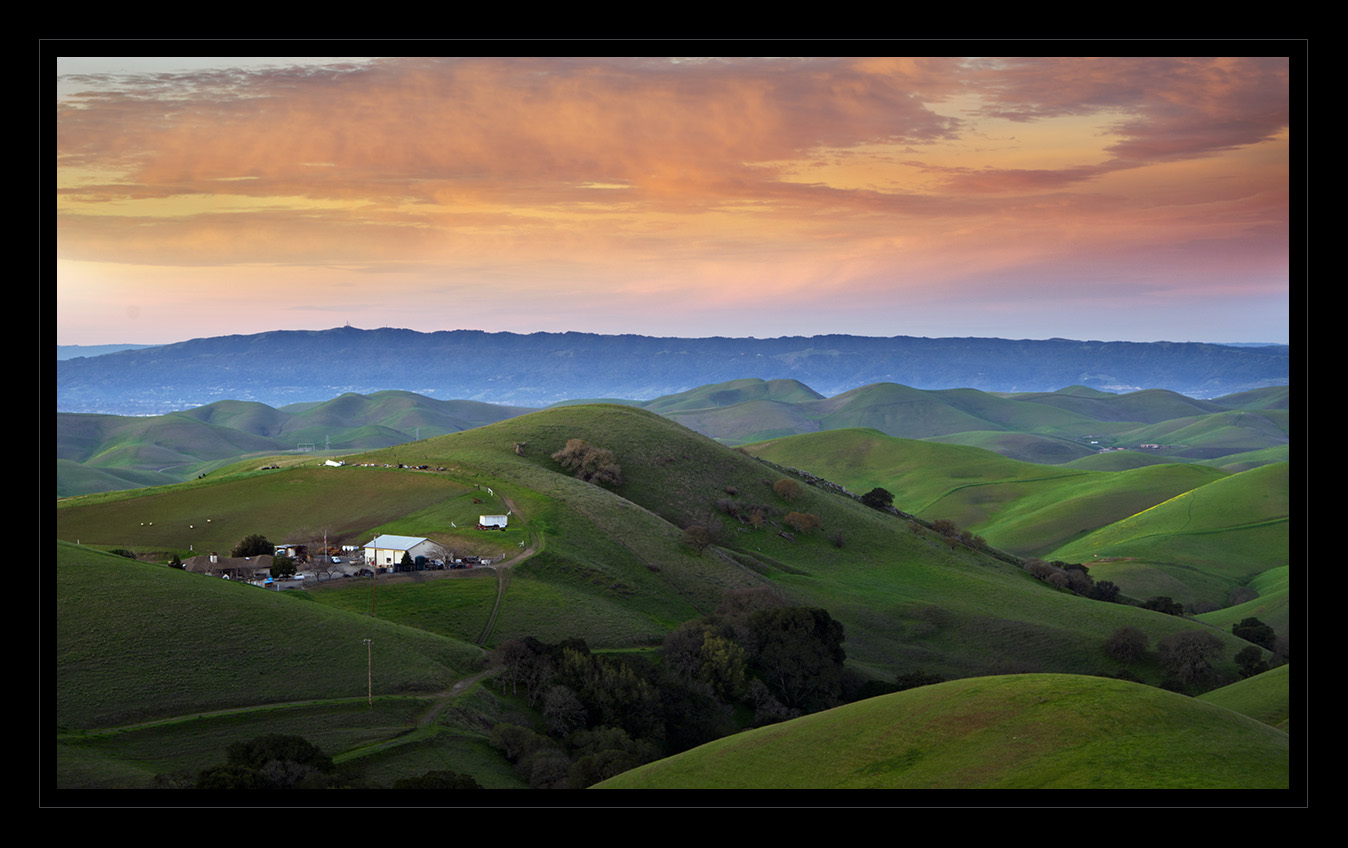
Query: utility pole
{"x": 369, "y": 679}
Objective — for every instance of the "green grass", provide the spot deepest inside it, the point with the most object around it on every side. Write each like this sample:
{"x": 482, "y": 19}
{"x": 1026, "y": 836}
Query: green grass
{"x": 131, "y": 757}
{"x": 136, "y": 642}
{"x": 1265, "y": 697}
{"x": 1225, "y": 531}
{"x": 613, "y": 568}
{"x": 1022, "y": 507}
{"x": 1006, "y": 732}
{"x": 215, "y": 514}
{"x": 457, "y": 606}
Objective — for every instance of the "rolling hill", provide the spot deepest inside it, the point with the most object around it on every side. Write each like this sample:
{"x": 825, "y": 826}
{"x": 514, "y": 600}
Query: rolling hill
{"x": 1039, "y": 731}
{"x": 1070, "y": 427}
{"x": 1186, "y": 531}
{"x": 610, "y": 565}
{"x": 1045, "y": 427}
{"x": 909, "y": 599}
{"x": 106, "y": 452}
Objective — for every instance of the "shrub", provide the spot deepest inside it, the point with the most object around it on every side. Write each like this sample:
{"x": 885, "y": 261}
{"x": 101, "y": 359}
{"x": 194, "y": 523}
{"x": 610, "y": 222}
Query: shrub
{"x": 803, "y": 522}
{"x": 1161, "y": 603}
{"x": 589, "y": 463}
{"x": 1188, "y": 654}
{"x": 1126, "y": 644}
{"x": 698, "y": 537}
{"x": 1250, "y": 660}
{"x": 438, "y": 780}
{"x": 1105, "y": 591}
{"x": 878, "y": 498}
{"x": 1256, "y": 631}
{"x": 787, "y": 489}
{"x": 945, "y": 527}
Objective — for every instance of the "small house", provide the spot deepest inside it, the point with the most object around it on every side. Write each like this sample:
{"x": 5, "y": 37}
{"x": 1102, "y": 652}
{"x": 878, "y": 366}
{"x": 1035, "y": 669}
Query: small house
{"x": 235, "y": 568}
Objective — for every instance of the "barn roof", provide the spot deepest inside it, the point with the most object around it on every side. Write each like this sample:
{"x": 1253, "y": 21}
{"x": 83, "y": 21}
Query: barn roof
{"x": 202, "y": 564}
{"x": 396, "y": 543}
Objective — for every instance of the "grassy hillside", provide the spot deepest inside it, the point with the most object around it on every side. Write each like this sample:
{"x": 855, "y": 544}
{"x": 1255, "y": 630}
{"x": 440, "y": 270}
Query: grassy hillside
{"x": 1040, "y": 731}
{"x": 214, "y": 514}
{"x": 1266, "y": 697}
{"x": 1068, "y": 426}
{"x": 1023, "y": 507}
{"x": 156, "y": 450}
{"x": 612, "y": 566}
{"x": 136, "y": 642}
{"x": 1042, "y": 427}
{"x": 1198, "y": 545}
{"x": 608, "y": 564}
{"x": 1272, "y": 604}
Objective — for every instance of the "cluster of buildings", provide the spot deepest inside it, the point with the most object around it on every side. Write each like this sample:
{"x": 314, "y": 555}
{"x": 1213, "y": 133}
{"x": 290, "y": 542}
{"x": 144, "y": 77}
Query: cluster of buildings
{"x": 384, "y": 554}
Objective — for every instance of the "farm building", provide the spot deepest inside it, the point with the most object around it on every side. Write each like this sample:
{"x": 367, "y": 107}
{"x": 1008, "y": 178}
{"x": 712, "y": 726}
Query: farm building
{"x": 389, "y": 550}
{"x": 235, "y": 568}
{"x": 296, "y": 552}
{"x": 492, "y": 522}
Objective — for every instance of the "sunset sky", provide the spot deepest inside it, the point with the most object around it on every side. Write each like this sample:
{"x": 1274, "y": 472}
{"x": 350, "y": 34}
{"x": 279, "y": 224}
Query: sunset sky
{"x": 1115, "y": 199}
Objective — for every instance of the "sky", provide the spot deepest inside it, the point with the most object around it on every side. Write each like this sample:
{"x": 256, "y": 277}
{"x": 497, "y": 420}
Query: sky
{"x": 1136, "y": 199}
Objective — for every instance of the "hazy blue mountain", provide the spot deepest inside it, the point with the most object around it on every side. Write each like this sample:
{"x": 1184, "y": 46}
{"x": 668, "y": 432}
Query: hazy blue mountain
{"x": 294, "y": 366}
{"x": 73, "y": 351}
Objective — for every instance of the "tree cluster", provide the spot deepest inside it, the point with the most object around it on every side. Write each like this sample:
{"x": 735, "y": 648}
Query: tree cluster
{"x": 602, "y": 714}
{"x": 1164, "y": 604}
{"x": 589, "y": 463}
{"x": 1073, "y": 576}
{"x": 281, "y": 761}
{"x": 274, "y": 761}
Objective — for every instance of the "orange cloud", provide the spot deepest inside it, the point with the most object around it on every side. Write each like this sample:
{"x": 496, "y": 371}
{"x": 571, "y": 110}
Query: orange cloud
{"x": 740, "y": 180}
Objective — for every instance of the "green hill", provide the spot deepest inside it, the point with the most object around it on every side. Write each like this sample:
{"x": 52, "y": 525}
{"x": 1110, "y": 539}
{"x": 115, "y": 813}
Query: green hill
{"x": 1026, "y": 508}
{"x": 607, "y": 564}
{"x": 1198, "y": 545}
{"x": 732, "y": 393}
{"x": 1266, "y": 697}
{"x": 1041, "y": 731}
{"x": 1044, "y": 427}
{"x": 612, "y": 565}
{"x": 1068, "y": 426}
{"x": 155, "y": 450}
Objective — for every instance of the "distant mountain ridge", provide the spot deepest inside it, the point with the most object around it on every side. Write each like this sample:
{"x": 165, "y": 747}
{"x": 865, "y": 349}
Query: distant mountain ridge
{"x": 290, "y": 366}
{"x": 75, "y": 351}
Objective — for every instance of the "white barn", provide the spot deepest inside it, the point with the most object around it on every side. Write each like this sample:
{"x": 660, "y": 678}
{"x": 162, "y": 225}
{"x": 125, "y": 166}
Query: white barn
{"x": 389, "y": 550}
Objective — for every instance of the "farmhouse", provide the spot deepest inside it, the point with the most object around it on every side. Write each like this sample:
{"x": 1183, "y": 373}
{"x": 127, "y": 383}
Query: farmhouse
{"x": 235, "y": 568}
{"x": 389, "y": 550}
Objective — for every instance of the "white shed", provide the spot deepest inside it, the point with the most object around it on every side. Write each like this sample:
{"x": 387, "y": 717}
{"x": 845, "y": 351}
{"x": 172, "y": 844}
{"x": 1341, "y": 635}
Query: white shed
{"x": 492, "y": 521}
